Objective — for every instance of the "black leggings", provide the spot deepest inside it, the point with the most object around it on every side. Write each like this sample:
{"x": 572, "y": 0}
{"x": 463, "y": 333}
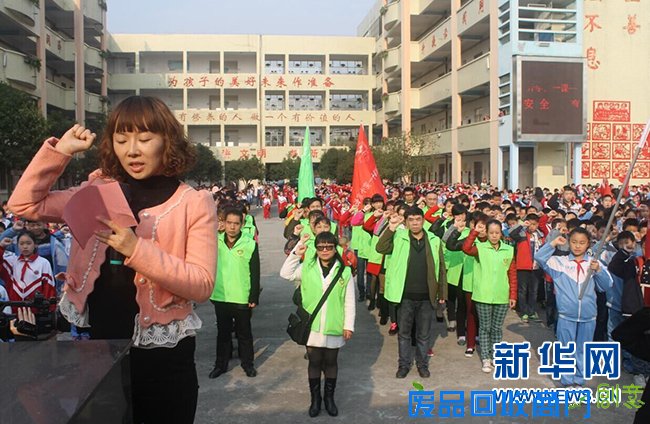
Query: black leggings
{"x": 322, "y": 359}
{"x": 164, "y": 383}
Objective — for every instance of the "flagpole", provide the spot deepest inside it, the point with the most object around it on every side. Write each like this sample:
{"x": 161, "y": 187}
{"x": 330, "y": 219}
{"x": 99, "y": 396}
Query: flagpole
{"x": 608, "y": 228}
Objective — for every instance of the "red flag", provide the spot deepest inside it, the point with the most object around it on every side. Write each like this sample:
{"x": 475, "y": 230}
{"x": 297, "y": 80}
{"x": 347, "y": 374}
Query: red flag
{"x": 365, "y": 180}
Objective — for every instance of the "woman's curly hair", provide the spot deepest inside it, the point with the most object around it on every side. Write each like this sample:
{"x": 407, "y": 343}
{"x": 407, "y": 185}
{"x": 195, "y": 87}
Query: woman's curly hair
{"x": 139, "y": 114}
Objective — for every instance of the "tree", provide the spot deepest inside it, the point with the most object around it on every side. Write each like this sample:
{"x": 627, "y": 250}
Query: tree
{"x": 286, "y": 170}
{"x": 81, "y": 166}
{"x": 207, "y": 168}
{"x": 22, "y": 128}
{"x": 338, "y": 164}
{"x": 244, "y": 169}
{"x": 405, "y": 156}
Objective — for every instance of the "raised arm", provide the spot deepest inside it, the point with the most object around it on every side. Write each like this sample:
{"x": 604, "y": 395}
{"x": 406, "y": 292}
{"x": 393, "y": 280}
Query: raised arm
{"x": 32, "y": 198}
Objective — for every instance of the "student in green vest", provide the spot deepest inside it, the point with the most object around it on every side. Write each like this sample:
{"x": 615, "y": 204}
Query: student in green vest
{"x": 495, "y": 288}
{"x": 417, "y": 280}
{"x": 470, "y": 268}
{"x": 456, "y": 308}
{"x": 334, "y": 324}
{"x": 236, "y": 293}
{"x": 250, "y": 227}
{"x": 300, "y": 215}
{"x": 361, "y": 245}
{"x": 299, "y": 230}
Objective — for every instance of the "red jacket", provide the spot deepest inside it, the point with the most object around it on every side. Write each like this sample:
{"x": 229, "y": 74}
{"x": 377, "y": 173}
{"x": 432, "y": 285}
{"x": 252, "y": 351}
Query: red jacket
{"x": 524, "y": 255}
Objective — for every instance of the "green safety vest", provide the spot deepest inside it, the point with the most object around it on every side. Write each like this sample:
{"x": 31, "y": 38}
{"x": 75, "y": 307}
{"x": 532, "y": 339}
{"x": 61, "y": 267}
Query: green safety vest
{"x": 364, "y": 238}
{"x": 396, "y": 272}
{"x": 471, "y": 268}
{"x": 311, "y": 289}
{"x": 454, "y": 262}
{"x": 491, "y": 284}
{"x": 248, "y": 229}
{"x": 306, "y": 228}
{"x": 374, "y": 256}
{"x": 233, "y": 280}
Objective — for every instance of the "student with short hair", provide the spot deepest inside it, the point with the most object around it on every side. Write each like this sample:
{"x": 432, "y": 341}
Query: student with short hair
{"x": 416, "y": 279}
{"x": 576, "y": 317}
{"x": 334, "y": 323}
{"x": 236, "y": 292}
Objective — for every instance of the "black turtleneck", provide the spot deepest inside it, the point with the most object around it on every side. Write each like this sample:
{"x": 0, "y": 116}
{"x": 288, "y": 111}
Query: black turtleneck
{"x": 112, "y": 305}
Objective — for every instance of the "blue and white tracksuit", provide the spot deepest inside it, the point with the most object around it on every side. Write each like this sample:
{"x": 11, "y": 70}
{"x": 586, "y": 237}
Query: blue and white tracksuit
{"x": 576, "y": 318}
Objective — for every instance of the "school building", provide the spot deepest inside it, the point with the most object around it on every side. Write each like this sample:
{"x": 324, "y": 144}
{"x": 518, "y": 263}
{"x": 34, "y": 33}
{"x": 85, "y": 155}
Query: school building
{"x": 515, "y": 92}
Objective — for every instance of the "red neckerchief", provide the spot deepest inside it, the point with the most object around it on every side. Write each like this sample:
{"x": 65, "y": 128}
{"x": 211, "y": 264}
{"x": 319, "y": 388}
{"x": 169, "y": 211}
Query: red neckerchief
{"x": 26, "y": 261}
{"x": 579, "y": 268}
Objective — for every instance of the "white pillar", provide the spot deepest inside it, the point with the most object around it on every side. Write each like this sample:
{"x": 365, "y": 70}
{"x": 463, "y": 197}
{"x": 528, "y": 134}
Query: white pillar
{"x": 514, "y": 167}
{"x": 577, "y": 163}
{"x": 500, "y": 169}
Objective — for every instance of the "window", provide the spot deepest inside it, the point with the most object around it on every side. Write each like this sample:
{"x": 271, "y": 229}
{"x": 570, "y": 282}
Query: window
{"x": 175, "y": 65}
{"x": 274, "y": 137}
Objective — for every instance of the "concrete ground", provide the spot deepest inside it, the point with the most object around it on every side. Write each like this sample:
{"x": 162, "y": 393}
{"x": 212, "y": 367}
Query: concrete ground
{"x": 367, "y": 390}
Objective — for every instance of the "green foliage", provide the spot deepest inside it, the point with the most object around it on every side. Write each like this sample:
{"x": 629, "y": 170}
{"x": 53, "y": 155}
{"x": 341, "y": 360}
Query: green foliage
{"x": 405, "y": 156}
{"x": 338, "y": 164}
{"x": 207, "y": 168}
{"x": 22, "y": 128}
{"x": 81, "y": 166}
{"x": 288, "y": 169}
{"x": 244, "y": 169}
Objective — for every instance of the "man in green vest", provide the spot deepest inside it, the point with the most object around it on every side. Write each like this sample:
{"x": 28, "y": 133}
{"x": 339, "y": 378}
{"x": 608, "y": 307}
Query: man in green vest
{"x": 416, "y": 279}
{"x": 236, "y": 292}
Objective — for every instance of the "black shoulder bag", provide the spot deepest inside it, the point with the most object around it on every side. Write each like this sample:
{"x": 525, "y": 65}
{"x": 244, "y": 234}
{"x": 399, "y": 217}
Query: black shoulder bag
{"x": 300, "y": 323}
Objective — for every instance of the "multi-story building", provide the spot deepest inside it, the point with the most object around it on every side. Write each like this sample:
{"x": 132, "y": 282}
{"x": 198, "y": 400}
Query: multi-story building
{"x": 252, "y": 95}
{"x": 501, "y": 89}
{"x": 515, "y": 92}
{"x": 54, "y": 50}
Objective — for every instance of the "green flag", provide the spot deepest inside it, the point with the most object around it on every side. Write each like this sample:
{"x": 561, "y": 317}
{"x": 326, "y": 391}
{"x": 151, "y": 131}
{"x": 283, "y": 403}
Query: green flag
{"x": 306, "y": 175}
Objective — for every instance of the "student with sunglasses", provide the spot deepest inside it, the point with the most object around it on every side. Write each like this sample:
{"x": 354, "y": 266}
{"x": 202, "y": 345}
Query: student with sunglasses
{"x": 334, "y": 324}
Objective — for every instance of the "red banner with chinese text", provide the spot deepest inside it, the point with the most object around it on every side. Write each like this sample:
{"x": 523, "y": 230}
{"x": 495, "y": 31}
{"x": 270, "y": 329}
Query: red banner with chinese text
{"x": 365, "y": 180}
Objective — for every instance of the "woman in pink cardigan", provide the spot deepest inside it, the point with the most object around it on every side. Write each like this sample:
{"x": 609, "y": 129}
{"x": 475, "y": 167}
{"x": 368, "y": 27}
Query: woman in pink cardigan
{"x": 140, "y": 282}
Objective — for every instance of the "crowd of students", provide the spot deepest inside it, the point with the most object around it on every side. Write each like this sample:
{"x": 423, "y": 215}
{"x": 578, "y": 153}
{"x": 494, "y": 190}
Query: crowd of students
{"x": 467, "y": 254}
{"x": 459, "y": 254}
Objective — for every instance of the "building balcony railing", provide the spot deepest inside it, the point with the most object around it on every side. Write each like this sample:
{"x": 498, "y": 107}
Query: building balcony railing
{"x": 392, "y": 61}
{"x": 66, "y": 5}
{"x": 435, "y": 91}
{"x": 471, "y": 13}
{"x": 217, "y": 117}
{"x": 392, "y": 104}
{"x": 24, "y": 10}
{"x": 92, "y": 57}
{"x": 93, "y": 10}
{"x": 474, "y": 136}
{"x": 474, "y": 73}
{"x": 94, "y": 103}
{"x": 57, "y": 96}
{"x": 435, "y": 39}
{"x": 442, "y": 141}
{"x": 61, "y": 48}
{"x": 18, "y": 68}
{"x": 391, "y": 17}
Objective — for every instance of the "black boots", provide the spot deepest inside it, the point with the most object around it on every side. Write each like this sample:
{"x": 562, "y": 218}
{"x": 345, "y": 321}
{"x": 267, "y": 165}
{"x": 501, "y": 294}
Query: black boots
{"x": 330, "y": 406}
{"x": 314, "y": 389}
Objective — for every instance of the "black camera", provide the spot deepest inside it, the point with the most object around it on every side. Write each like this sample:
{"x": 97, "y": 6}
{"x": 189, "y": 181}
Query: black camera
{"x": 45, "y": 318}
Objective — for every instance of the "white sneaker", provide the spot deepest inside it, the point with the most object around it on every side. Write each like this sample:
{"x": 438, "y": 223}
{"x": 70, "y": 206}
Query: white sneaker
{"x": 487, "y": 367}
{"x": 639, "y": 380}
